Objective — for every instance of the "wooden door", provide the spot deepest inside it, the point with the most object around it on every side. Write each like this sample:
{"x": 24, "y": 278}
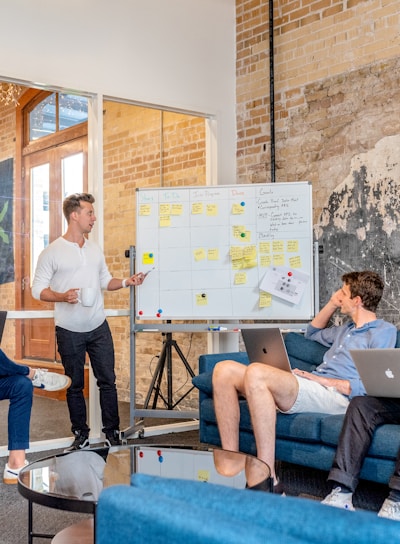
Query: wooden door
{"x": 48, "y": 177}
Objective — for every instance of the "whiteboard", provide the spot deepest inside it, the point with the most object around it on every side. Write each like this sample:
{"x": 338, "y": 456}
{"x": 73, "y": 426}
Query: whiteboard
{"x": 225, "y": 252}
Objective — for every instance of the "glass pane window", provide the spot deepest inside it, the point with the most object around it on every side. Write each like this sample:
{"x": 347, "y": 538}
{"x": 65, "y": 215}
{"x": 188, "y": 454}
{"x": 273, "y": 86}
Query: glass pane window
{"x": 72, "y": 110}
{"x": 40, "y": 213}
{"x": 42, "y": 119}
{"x": 57, "y": 112}
{"x": 72, "y": 176}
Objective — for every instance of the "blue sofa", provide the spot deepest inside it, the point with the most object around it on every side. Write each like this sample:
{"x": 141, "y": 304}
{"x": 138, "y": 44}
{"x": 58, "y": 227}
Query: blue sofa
{"x": 308, "y": 439}
{"x": 153, "y": 510}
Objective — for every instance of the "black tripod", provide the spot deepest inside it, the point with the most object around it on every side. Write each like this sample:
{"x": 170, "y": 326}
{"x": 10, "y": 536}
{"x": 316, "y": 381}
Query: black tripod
{"x": 155, "y": 386}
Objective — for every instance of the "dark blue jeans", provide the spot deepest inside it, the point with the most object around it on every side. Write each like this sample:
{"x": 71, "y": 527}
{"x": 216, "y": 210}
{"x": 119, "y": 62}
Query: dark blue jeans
{"x": 98, "y": 344}
{"x": 15, "y": 386}
{"x": 363, "y": 416}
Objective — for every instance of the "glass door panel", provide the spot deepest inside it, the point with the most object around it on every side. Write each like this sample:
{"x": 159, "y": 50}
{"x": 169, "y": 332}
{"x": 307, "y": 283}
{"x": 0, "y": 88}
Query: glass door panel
{"x": 50, "y": 175}
{"x": 40, "y": 213}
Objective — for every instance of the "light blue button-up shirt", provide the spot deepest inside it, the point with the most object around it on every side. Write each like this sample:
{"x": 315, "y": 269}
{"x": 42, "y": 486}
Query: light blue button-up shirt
{"x": 337, "y": 362}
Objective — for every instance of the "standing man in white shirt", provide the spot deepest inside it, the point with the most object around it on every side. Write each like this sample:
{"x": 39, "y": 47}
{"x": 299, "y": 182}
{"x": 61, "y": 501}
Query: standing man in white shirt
{"x": 67, "y": 266}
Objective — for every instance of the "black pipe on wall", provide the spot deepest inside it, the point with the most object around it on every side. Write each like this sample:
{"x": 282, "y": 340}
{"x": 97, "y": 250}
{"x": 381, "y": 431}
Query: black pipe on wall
{"x": 272, "y": 88}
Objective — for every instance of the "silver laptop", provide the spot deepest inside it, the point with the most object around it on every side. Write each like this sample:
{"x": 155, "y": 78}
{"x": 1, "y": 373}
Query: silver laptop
{"x": 379, "y": 370}
{"x": 266, "y": 346}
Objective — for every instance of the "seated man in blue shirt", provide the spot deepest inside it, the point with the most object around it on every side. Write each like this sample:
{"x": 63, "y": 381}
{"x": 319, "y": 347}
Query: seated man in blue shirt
{"x": 16, "y": 384}
{"x": 328, "y": 389}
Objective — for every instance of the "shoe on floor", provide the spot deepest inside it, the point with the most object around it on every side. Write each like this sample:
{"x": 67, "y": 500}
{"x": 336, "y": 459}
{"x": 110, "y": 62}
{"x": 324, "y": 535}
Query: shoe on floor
{"x": 390, "y": 510}
{"x": 339, "y": 500}
{"x": 80, "y": 442}
{"x": 112, "y": 439}
{"x": 10, "y": 475}
{"x": 50, "y": 381}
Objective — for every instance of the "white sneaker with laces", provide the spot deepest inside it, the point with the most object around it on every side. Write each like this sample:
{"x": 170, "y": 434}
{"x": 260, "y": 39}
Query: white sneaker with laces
{"x": 10, "y": 475}
{"x": 339, "y": 500}
{"x": 390, "y": 510}
{"x": 50, "y": 381}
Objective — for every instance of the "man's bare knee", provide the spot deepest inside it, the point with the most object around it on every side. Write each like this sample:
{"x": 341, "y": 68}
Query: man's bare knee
{"x": 228, "y": 372}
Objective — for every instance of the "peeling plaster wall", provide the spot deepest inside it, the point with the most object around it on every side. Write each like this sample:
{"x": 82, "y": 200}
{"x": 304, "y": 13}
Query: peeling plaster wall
{"x": 358, "y": 228}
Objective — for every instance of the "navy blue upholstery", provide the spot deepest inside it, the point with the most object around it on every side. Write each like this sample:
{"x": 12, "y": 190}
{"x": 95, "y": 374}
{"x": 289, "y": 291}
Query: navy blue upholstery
{"x": 308, "y": 439}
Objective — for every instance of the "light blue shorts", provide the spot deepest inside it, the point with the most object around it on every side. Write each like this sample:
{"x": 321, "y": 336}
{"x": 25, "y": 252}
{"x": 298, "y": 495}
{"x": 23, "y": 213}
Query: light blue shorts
{"x": 314, "y": 397}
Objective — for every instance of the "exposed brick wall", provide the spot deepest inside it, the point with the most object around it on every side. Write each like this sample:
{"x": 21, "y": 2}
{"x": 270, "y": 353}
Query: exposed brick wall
{"x": 336, "y": 73}
{"x": 136, "y": 155}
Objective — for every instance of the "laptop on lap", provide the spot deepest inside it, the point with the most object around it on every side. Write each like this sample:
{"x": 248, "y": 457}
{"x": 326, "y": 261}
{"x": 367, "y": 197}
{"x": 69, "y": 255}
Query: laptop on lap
{"x": 379, "y": 370}
{"x": 266, "y": 346}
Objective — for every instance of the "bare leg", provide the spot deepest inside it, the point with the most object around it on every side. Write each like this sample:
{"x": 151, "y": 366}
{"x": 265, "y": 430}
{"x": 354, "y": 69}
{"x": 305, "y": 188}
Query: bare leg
{"x": 228, "y": 379}
{"x": 267, "y": 388}
{"x": 16, "y": 458}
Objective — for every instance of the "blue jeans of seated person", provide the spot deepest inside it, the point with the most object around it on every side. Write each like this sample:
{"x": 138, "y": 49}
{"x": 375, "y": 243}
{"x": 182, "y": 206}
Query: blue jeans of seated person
{"x": 98, "y": 344}
{"x": 363, "y": 416}
{"x": 15, "y": 386}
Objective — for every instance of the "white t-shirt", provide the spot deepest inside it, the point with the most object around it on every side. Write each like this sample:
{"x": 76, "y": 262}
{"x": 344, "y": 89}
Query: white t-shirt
{"x": 64, "y": 265}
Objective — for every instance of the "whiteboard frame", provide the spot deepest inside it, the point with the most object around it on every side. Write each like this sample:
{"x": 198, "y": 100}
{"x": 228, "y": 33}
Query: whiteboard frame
{"x": 157, "y": 300}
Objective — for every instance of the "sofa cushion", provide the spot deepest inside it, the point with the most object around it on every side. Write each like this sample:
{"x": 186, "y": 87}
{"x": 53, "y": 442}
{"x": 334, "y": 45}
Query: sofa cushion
{"x": 175, "y": 510}
{"x": 303, "y": 349}
{"x": 304, "y": 427}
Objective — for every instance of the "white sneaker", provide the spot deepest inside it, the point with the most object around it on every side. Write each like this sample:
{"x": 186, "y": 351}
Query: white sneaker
{"x": 10, "y": 475}
{"x": 339, "y": 500}
{"x": 50, "y": 381}
{"x": 390, "y": 510}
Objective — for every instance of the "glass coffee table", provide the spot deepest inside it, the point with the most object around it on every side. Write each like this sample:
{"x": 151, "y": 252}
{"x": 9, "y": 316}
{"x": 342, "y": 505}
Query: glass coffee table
{"x": 73, "y": 481}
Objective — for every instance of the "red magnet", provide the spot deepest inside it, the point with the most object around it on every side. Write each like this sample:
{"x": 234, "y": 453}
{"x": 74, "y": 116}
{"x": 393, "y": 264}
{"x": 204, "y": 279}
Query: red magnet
{"x": 290, "y": 274}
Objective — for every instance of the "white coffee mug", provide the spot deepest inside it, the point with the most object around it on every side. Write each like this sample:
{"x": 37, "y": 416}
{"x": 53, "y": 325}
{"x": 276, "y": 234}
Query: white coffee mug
{"x": 87, "y": 296}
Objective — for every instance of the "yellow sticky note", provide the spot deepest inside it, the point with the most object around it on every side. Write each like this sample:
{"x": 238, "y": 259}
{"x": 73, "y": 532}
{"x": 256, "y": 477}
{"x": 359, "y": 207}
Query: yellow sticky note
{"x": 148, "y": 258}
{"x": 236, "y": 252}
{"x": 264, "y": 247}
{"x": 197, "y": 208}
{"x": 165, "y": 209}
{"x": 237, "y": 209}
{"x": 212, "y": 209}
{"x": 176, "y": 209}
{"x": 238, "y": 264}
{"x": 240, "y": 278}
{"x": 144, "y": 209}
{"x": 249, "y": 263}
{"x": 278, "y": 259}
{"x": 213, "y": 254}
{"x": 292, "y": 246}
{"x": 201, "y": 299}
{"x": 203, "y": 475}
{"x": 265, "y": 300}
{"x": 199, "y": 254}
{"x": 265, "y": 260}
{"x": 278, "y": 246}
{"x": 165, "y": 220}
{"x": 295, "y": 262}
{"x": 239, "y": 231}
{"x": 250, "y": 252}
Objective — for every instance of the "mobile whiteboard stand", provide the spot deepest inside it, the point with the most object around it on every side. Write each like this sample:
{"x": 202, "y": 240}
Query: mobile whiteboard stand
{"x": 137, "y": 429}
